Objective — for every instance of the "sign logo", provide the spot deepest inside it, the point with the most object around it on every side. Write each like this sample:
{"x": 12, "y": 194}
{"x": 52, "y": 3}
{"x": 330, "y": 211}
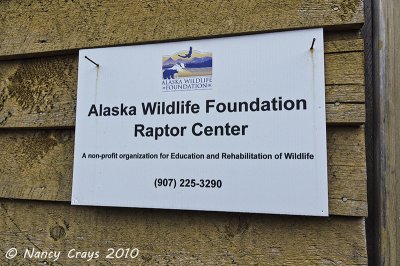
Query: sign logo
{"x": 187, "y": 70}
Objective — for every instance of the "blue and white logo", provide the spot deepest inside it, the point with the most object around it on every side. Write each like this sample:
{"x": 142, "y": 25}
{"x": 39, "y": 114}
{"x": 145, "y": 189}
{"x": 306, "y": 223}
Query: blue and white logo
{"x": 187, "y": 70}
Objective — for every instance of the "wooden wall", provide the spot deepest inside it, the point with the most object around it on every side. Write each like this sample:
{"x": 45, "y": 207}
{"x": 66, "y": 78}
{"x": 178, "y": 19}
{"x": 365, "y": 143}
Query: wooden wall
{"x": 39, "y": 41}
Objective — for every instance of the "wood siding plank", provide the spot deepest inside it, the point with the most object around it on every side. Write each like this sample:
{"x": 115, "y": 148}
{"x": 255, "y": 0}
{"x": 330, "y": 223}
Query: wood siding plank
{"x": 180, "y": 237}
{"x": 30, "y": 28}
{"x": 350, "y": 93}
{"x": 345, "y": 114}
{"x": 336, "y": 71}
{"x": 348, "y": 45}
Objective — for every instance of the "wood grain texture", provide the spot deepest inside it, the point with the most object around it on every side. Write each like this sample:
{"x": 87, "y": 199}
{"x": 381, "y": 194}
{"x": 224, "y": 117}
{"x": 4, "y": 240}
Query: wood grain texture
{"x": 337, "y": 73}
{"x": 387, "y": 131}
{"x": 346, "y": 114}
{"x": 33, "y": 27}
{"x": 347, "y": 179}
{"x": 39, "y": 92}
{"x": 180, "y": 237}
{"x": 37, "y": 165}
{"x": 348, "y": 45}
{"x": 42, "y": 92}
{"x": 350, "y": 93}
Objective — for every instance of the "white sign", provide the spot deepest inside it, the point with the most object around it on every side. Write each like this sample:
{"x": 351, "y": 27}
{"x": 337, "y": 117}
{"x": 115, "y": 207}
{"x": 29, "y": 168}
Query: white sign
{"x": 227, "y": 124}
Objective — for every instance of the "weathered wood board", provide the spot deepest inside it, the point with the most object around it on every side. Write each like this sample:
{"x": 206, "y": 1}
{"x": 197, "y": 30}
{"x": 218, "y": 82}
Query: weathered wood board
{"x": 25, "y": 28}
{"x": 37, "y": 165}
{"x": 385, "y": 185}
{"x": 335, "y": 43}
{"x": 42, "y": 92}
{"x": 180, "y": 237}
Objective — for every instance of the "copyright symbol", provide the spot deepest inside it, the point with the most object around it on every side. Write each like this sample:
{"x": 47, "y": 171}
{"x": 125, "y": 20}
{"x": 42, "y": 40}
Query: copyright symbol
{"x": 11, "y": 253}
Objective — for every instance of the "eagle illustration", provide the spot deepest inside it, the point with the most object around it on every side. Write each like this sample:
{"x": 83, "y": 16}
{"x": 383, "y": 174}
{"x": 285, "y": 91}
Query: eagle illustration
{"x": 188, "y": 55}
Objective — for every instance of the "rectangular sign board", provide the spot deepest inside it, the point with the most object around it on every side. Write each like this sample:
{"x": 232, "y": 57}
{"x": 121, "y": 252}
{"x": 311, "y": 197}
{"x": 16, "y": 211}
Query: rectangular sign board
{"x": 226, "y": 124}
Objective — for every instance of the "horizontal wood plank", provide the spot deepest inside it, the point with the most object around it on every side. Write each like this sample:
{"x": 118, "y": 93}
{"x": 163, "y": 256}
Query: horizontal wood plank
{"x": 348, "y": 93}
{"x": 33, "y": 27}
{"x": 37, "y": 164}
{"x": 42, "y": 92}
{"x": 179, "y": 237}
{"x": 347, "y": 177}
{"x": 345, "y": 114}
{"x": 348, "y": 45}
{"x": 344, "y": 68}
